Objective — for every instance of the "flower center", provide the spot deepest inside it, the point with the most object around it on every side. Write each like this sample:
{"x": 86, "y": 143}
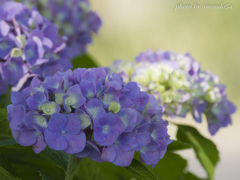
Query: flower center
{"x": 63, "y": 132}
{"x": 41, "y": 120}
{"x": 69, "y": 101}
{"x": 105, "y": 128}
{"x": 47, "y": 110}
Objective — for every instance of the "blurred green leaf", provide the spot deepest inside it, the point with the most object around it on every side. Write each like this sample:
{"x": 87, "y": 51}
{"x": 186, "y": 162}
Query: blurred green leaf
{"x": 84, "y": 61}
{"x": 206, "y": 151}
{"x": 6, "y": 164}
{"x": 178, "y": 145}
{"x": 5, "y": 99}
{"x": 190, "y": 176}
{"x": 6, "y": 175}
{"x": 170, "y": 167}
{"x": 5, "y": 131}
{"x": 27, "y": 164}
{"x": 139, "y": 171}
{"x": 113, "y": 172}
{"x": 7, "y": 142}
{"x": 3, "y": 114}
{"x": 59, "y": 158}
{"x": 88, "y": 170}
{"x": 44, "y": 177}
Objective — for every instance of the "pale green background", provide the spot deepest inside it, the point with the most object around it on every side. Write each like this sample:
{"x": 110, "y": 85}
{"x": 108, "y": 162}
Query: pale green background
{"x": 212, "y": 36}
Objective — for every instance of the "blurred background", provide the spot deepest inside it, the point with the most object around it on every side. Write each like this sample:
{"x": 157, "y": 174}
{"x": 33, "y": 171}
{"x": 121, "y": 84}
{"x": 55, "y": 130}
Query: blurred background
{"x": 211, "y": 36}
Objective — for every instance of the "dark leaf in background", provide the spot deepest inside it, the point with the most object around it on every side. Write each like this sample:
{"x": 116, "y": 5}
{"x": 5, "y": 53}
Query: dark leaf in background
{"x": 190, "y": 176}
{"x": 206, "y": 151}
{"x": 84, "y": 61}
{"x": 5, "y": 99}
{"x": 88, "y": 170}
{"x": 5, "y": 131}
{"x": 27, "y": 164}
{"x": 170, "y": 167}
{"x": 140, "y": 172}
{"x": 7, "y": 142}
{"x": 59, "y": 158}
{"x": 44, "y": 177}
{"x": 6, "y": 175}
{"x": 6, "y": 164}
{"x": 113, "y": 172}
{"x": 178, "y": 145}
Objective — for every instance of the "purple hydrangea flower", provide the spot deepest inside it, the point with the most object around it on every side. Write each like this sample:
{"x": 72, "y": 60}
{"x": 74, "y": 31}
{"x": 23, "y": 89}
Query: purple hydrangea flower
{"x": 29, "y": 46}
{"x": 90, "y": 114}
{"x": 180, "y": 86}
{"x": 76, "y": 21}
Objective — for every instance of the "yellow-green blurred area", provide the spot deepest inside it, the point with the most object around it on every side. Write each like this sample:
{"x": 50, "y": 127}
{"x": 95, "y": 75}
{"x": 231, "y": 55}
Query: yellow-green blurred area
{"x": 211, "y": 36}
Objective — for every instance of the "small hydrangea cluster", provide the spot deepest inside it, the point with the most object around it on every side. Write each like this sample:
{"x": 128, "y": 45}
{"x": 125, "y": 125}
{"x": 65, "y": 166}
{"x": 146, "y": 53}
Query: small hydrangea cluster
{"x": 89, "y": 113}
{"x": 75, "y": 20}
{"x": 180, "y": 86}
{"x": 29, "y": 46}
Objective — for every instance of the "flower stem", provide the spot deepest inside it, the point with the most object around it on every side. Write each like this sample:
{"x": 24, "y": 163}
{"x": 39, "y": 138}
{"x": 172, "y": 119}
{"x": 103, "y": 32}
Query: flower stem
{"x": 73, "y": 164}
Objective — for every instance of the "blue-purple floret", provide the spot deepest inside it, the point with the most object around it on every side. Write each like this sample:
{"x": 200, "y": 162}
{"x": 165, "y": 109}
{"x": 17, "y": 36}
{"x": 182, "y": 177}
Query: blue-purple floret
{"x": 180, "y": 86}
{"x": 29, "y": 46}
{"x": 90, "y": 114}
{"x": 76, "y": 21}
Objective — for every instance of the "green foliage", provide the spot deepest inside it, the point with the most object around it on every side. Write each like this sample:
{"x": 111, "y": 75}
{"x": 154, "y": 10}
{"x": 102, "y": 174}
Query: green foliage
{"x": 44, "y": 177}
{"x": 206, "y": 151}
{"x": 190, "y": 176}
{"x": 178, "y": 145}
{"x": 27, "y": 164}
{"x": 139, "y": 171}
{"x": 110, "y": 171}
{"x": 5, "y": 99}
{"x": 7, "y": 142}
{"x": 6, "y": 164}
{"x": 6, "y": 175}
{"x": 84, "y": 61}
{"x": 88, "y": 170}
{"x": 5, "y": 131}
{"x": 171, "y": 167}
{"x": 59, "y": 158}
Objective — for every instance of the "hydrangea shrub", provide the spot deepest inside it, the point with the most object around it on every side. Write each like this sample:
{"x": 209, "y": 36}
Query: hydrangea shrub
{"x": 29, "y": 46}
{"x": 86, "y": 112}
{"x": 180, "y": 86}
{"x": 76, "y": 21}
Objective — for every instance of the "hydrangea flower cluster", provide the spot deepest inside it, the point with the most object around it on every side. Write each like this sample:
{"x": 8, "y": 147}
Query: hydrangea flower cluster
{"x": 29, "y": 46}
{"x": 180, "y": 86}
{"x": 76, "y": 21}
{"x": 89, "y": 113}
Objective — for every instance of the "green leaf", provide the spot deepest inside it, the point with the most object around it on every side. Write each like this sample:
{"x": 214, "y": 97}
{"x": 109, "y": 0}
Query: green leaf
{"x": 5, "y": 99}
{"x": 84, "y": 61}
{"x": 178, "y": 145}
{"x": 113, "y": 172}
{"x": 7, "y": 142}
{"x": 88, "y": 170}
{"x": 190, "y": 176}
{"x": 5, "y": 131}
{"x": 6, "y": 175}
{"x": 6, "y": 164}
{"x": 59, "y": 158}
{"x": 170, "y": 167}
{"x": 139, "y": 171}
{"x": 3, "y": 114}
{"x": 44, "y": 177}
{"x": 27, "y": 164}
{"x": 206, "y": 151}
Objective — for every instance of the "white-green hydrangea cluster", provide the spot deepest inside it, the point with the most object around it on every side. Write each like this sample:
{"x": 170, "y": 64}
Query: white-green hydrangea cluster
{"x": 180, "y": 86}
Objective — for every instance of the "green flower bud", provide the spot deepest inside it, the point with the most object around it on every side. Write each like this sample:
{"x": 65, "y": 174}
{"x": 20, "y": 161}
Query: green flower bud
{"x": 114, "y": 107}
{"x": 16, "y": 52}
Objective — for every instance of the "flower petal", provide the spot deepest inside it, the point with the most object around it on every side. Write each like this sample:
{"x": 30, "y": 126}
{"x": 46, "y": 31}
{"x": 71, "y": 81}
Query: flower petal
{"x": 76, "y": 143}
{"x": 55, "y": 140}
